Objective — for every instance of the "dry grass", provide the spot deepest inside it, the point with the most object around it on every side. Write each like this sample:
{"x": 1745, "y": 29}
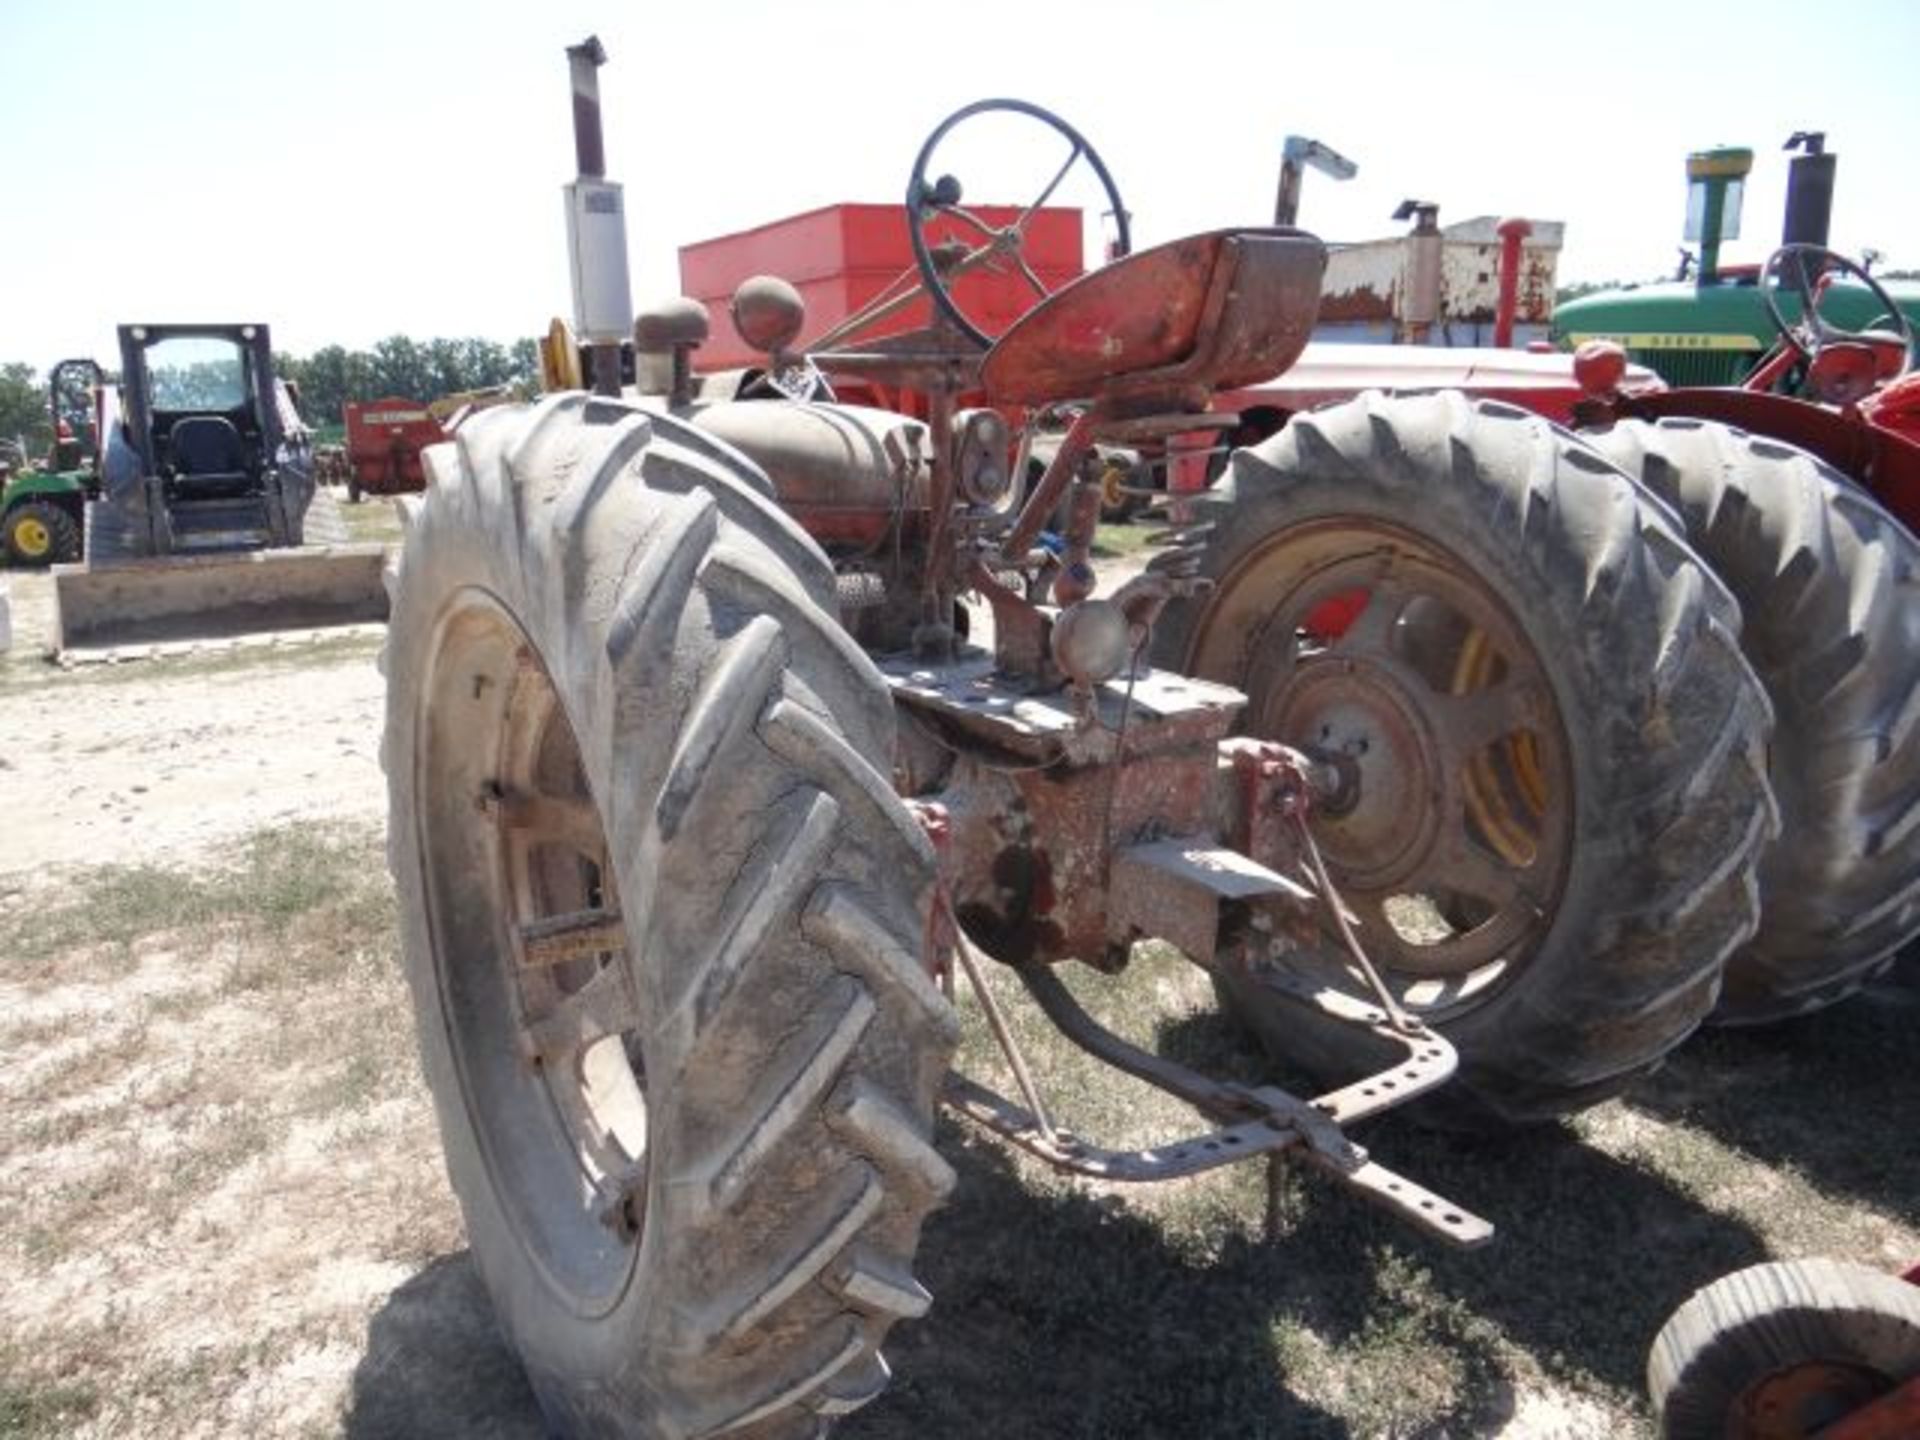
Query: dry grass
{"x": 217, "y": 1158}
{"x": 222, "y": 1211}
{"x": 374, "y": 519}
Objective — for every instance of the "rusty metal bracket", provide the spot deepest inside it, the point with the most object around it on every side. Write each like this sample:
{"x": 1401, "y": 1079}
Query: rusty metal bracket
{"x": 1263, "y": 1120}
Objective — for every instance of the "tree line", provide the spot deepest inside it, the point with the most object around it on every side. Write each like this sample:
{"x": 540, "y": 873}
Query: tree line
{"x": 401, "y": 366}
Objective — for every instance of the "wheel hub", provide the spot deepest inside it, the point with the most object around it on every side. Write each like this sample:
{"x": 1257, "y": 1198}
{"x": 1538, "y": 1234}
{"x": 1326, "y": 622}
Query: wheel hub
{"x": 1393, "y": 659}
{"x": 1362, "y": 718}
{"x": 32, "y": 537}
{"x": 1801, "y": 1401}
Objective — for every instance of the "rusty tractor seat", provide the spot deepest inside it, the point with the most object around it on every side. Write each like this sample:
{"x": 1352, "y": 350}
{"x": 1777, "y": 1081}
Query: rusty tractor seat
{"x": 1166, "y": 328}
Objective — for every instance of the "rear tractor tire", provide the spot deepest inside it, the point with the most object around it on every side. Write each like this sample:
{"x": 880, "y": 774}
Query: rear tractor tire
{"x": 1782, "y": 1351}
{"x": 1556, "y": 748}
{"x": 662, "y": 923}
{"x": 1829, "y": 591}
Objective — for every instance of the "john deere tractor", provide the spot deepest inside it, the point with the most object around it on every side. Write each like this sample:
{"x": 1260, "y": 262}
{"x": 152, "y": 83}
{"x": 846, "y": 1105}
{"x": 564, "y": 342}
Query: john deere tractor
{"x": 1712, "y": 323}
{"x": 43, "y": 503}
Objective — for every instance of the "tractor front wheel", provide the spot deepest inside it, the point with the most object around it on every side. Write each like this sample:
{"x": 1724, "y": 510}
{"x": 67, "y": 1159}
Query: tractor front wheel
{"x": 663, "y": 923}
{"x": 1555, "y": 751}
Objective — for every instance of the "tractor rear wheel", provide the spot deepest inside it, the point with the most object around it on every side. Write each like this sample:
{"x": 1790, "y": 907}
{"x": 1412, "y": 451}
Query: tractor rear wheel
{"x": 1829, "y": 590}
{"x": 1781, "y": 1351}
{"x": 38, "y": 532}
{"x": 1556, "y": 748}
{"x": 663, "y": 924}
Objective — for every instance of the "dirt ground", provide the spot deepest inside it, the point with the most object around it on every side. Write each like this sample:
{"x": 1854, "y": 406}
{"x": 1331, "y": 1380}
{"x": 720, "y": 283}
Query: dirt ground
{"x": 158, "y": 760}
{"x": 222, "y": 1209}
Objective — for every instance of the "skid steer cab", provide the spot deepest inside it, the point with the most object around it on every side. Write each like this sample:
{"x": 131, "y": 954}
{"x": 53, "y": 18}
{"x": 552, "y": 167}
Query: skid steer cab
{"x": 204, "y": 524}
{"x": 209, "y": 452}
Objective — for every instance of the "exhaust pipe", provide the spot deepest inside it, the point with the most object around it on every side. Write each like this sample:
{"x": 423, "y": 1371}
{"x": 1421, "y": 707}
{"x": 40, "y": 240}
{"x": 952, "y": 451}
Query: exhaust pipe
{"x": 1809, "y": 190}
{"x": 596, "y": 227}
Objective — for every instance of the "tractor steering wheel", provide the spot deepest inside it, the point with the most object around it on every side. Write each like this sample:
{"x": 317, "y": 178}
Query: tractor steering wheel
{"x": 999, "y": 247}
{"x": 1813, "y": 330}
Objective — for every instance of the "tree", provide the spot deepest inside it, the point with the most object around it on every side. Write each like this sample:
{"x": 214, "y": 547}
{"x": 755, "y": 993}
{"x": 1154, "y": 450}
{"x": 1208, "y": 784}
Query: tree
{"x": 446, "y": 370}
{"x": 486, "y": 362}
{"x": 525, "y": 361}
{"x": 23, "y": 408}
{"x": 401, "y": 367}
{"x": 323, "y": 385}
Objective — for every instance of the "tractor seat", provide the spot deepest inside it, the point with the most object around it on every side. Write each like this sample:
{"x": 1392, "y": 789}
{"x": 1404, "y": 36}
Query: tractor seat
{"x": 209, "y": 457}
{"x": 1167, "y": 327}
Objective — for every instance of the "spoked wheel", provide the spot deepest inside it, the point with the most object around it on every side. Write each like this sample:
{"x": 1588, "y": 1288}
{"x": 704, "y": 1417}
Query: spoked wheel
{"x": 663, "y": 926}
{"x": 560, "y": 1007}
{"x": 1552, "y": 750}
{"x": 1407, "y": 670}
{"x": 1802, "y": 269}
{"x": 1782, "y": 1351}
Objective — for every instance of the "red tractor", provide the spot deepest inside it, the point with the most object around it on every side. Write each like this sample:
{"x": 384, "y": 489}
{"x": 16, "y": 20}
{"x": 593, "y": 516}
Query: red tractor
{"x": 733, "y": 729}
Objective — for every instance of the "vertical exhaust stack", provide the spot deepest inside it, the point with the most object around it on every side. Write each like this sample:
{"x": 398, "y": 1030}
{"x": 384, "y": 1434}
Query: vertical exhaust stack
{"x": 1420, "y": 297}
{"x": 1809, "y": 190}
{"x": 596, "y": 227}
{"x": 1296, "y": 154}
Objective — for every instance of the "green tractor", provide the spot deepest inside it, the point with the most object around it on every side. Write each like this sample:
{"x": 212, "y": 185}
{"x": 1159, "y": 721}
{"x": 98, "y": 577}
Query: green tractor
{"x": 1710, "y": 325}
{"x": 43, "y": 504}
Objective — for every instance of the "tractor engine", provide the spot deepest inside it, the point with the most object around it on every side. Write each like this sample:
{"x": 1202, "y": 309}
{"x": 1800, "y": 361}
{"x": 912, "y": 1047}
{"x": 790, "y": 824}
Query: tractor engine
{"x": 857, "y": 478}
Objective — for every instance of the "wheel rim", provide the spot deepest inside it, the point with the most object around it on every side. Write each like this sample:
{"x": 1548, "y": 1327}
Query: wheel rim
{"x": 1802, "y": 1400}
{"x": 530, "y": 956}
{"x": 31, "y": 537}
{"x": 1389, "y": 656}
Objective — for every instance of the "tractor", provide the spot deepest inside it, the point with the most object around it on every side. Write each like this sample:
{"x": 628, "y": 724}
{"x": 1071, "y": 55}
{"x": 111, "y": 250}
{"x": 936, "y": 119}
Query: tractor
{"x": 43, "y": 505}
{"x": 1711, "y": 323}
{"x": 732, "y": 730}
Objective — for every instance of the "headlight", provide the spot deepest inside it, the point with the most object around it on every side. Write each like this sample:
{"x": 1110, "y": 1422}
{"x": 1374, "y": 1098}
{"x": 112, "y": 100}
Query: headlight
{"x": 982, "y": 453}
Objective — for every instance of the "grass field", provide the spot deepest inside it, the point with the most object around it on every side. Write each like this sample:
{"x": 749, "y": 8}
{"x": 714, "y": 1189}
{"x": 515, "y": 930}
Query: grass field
{"x": 222, "y": 1209}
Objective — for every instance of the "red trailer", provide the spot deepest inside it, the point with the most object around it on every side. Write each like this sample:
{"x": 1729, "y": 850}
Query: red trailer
{"x": 384, "y": 441}
{"x": 841, "y": 257}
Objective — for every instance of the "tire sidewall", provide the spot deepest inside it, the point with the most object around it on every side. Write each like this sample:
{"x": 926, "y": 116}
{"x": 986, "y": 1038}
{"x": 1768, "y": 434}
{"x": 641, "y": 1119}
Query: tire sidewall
{"x": 452, "y": 568}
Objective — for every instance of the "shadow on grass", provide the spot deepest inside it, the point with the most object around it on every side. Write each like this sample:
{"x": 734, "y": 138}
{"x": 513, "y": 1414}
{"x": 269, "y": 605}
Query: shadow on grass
{"x": 1589, "y": 1257}
{"x": 1062, "y": 1316}
{"x": 1590, "y": 1254}
{"x": 1057, "y": 1316}
{"x": 1827, "y": 1095}
{"x": 436, "y": 1368}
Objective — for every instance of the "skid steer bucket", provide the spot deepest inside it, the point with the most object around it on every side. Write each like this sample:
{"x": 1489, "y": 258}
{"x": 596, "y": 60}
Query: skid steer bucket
{"x": 104, "y": 608}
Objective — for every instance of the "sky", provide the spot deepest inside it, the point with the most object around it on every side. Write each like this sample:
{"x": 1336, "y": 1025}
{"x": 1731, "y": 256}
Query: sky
{"x": 345, "y": 171}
